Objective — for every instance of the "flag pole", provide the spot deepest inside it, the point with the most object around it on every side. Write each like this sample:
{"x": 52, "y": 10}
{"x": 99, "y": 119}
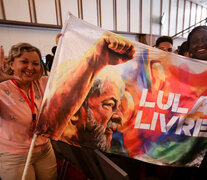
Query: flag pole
{"x": 29, "y": 156}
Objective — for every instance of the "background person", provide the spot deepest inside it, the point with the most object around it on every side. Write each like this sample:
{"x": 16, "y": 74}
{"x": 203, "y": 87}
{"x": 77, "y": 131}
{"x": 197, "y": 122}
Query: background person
{"x": 49, "y": 61}
{"x": 49, "y": 57}
{"x": 183, "y": 49}
{"x": 197, "y": 42}
{"x": 164, "y": 43}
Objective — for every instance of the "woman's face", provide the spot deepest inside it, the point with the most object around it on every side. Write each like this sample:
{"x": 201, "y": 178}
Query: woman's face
{"x": 198, "y": 45}
{"x": 27, "y": 67}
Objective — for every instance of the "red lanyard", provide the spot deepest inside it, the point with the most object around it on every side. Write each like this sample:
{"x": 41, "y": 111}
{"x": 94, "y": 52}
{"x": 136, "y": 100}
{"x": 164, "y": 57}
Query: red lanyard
{"x": 31, "y": 105}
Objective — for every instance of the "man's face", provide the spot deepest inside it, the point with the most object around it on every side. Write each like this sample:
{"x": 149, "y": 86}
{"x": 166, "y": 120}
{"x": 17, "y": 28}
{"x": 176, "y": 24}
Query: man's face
{"x": 165, "y": 46}
{"x": 198, "y": 45}
{"x": 102, "y": 116}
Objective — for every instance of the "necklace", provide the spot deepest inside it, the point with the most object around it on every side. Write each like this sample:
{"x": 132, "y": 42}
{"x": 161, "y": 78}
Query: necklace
{"x": 31, "y": 105}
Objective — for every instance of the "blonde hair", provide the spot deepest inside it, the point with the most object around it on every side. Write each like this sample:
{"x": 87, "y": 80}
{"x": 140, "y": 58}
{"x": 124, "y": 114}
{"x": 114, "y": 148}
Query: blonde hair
{"x": 17, "y": 51}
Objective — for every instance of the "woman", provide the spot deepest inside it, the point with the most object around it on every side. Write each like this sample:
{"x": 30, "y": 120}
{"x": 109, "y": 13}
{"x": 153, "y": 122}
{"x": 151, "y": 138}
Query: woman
{"x": 19, "y": 106}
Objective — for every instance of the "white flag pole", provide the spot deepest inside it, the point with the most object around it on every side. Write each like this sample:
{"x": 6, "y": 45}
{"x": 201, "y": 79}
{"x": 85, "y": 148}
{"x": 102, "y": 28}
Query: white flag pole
{"x": 29, "y": 156}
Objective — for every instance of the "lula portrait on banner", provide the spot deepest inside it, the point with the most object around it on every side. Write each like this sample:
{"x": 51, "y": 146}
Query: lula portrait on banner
{"x": 88, "y": 107}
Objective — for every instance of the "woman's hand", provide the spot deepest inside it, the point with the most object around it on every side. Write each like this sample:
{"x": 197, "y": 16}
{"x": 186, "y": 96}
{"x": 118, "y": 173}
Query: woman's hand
{"x": 4, "y": 76}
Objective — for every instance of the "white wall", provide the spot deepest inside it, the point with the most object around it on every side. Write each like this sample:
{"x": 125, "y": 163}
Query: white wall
{"x": 44, "y": 39}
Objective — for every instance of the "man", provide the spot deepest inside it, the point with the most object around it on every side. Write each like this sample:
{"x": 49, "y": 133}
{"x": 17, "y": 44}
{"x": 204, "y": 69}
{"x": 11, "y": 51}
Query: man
{"x": 197, "y": 41}
{"x": 99, "y": 115}
{"x": 85, "y": 110}
{"x": 164, "y": 43}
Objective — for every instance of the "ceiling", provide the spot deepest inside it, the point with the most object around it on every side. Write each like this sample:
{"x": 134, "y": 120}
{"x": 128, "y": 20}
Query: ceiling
{"x": 200, "y": 2}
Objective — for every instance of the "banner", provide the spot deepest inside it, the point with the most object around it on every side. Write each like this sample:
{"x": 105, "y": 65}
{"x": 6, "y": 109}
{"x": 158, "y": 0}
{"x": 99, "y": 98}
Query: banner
{"x": 124, "y": 97}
